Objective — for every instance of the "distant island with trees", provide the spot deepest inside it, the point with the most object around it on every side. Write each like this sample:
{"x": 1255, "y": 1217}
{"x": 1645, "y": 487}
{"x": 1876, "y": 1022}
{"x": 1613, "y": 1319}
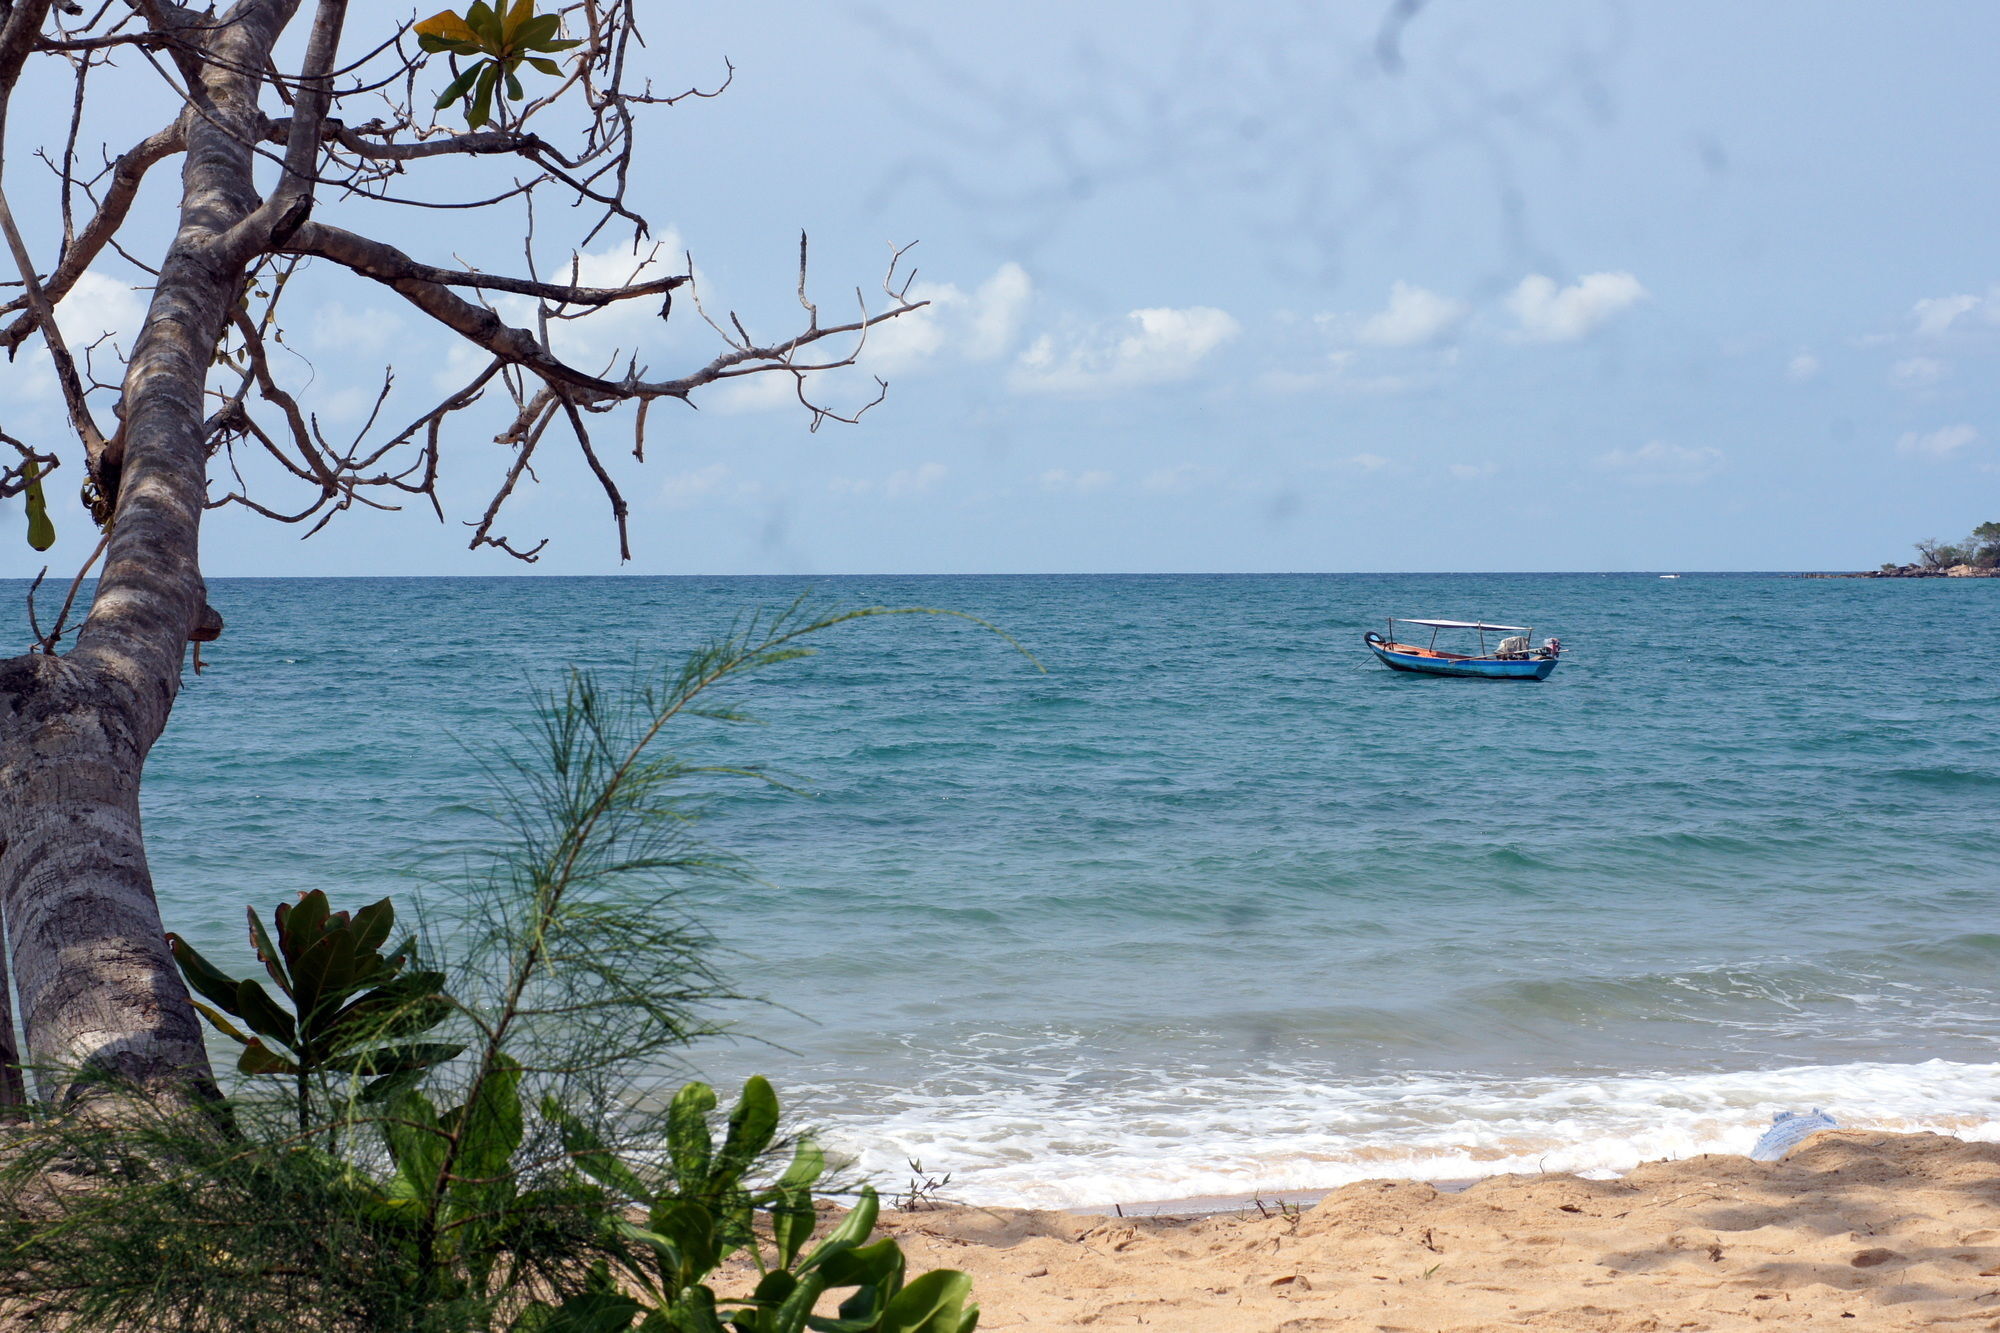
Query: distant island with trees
{"x": 1976, "y": 556}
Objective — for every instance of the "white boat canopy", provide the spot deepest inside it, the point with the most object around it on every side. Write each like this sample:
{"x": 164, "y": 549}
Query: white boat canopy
{"x": 1461, "y": 624}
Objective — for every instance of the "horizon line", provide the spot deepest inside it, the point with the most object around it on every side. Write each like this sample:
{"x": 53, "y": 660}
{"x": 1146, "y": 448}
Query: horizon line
{"x": 1051, "y": 574}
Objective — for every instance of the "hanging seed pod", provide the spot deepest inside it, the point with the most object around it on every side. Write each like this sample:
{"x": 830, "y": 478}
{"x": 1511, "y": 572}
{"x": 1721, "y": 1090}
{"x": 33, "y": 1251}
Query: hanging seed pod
{"x": 41, "y": 532}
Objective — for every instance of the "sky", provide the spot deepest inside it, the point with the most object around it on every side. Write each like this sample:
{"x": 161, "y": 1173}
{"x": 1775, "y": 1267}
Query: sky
{"x": 1576, "y": 285}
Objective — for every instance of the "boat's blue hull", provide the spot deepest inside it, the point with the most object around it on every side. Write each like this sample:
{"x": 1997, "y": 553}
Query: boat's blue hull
{"x": 1482, "y": 668}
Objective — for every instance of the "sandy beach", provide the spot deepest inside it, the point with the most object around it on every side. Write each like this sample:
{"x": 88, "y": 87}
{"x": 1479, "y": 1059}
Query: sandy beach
{"x": 1858, "y": 1231}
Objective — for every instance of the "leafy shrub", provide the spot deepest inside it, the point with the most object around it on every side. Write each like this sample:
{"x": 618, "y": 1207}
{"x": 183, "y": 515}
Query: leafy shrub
{"x": 527, "y": 1171}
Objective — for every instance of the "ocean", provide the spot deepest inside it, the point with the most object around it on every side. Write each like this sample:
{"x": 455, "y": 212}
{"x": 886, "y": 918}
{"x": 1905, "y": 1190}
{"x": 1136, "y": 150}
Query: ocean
{"x": 1217, "y": 904}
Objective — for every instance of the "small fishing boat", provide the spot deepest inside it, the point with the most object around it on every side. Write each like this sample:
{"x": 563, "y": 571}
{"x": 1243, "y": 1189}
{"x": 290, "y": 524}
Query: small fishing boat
{"x": 1511, "y": 658}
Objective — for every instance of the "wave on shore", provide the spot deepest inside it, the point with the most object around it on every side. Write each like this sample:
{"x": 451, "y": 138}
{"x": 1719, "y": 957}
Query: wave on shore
{"x": 1068, "y": 1144}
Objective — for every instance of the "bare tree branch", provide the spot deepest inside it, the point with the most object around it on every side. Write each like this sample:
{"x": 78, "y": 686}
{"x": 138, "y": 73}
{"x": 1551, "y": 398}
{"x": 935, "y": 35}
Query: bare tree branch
{"x": 207, "y": 59}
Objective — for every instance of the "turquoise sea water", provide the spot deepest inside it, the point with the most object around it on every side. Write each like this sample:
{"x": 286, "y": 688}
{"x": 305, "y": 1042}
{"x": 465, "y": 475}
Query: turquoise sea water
{"x": 1218, "y": 903}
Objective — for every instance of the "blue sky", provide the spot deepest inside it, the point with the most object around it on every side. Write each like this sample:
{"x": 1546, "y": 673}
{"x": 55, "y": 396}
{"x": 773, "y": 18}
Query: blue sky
{"x": 1571, "y": 286}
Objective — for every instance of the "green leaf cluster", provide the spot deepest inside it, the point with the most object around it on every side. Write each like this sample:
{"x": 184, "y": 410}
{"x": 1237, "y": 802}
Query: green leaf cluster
{"x": 349, "y": 1011}
{"x": 709, "y": 1214}
{"x": 656, "y": 1277}
{"x": 497, "y": 40}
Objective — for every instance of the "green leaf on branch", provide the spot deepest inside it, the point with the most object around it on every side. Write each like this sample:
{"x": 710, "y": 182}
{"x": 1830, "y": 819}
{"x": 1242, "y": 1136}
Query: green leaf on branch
{"x": 689, "y": 1146}
{"x": 263, "y": 1015}
{"x": 689, "y": 1230}
{"x": 792, "y": 1220}
{"x": 855, "y": 1227}
{"x": 876, "y": 1273}
{"x": 257, "y": 1058}
{"x": 934, "y": 1303}
{"x": 497, "y": 42}
{"x": 223, "y": 1025}
{"x": 490, "y": 1125}
{"x": 457, "y": 88}
{"x": 751, "y": 1127}
{"x": 206, "y": 978}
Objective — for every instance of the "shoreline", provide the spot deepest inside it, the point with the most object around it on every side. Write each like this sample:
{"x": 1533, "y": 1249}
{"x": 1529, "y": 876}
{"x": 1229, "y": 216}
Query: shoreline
{"x": 1119, "y": 1159}
{"x": 1852, "y": 1230}
{"x": 1266, "y": 1204}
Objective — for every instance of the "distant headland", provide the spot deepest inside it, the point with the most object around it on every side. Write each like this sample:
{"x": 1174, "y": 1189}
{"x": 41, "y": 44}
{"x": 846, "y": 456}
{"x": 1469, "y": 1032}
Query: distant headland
{"x": 1973, "y": 557}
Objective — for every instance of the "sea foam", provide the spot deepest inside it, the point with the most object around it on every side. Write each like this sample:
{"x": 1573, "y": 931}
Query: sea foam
{"x": 1242, "y": 1136}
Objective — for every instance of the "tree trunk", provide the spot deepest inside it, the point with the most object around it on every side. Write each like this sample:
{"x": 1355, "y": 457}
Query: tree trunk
{"x": 100, "y": 996}
{"x": 99, "y": 992}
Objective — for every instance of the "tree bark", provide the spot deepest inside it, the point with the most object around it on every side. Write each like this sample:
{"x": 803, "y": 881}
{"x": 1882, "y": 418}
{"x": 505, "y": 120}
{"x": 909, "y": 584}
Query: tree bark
{"x": 100, "y": 997}
{"x": 99, "y": 992}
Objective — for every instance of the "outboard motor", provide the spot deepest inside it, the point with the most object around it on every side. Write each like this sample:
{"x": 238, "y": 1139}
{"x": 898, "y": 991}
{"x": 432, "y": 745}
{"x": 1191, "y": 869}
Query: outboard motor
{"x": 1552, "y": 648}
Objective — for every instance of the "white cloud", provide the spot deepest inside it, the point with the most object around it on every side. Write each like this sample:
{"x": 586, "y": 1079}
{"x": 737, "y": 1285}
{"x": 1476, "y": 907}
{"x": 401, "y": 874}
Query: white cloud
{"x": 981, "y": 326}
{"x": 96, "y": 307}
{"x": 1917, "y": 372}
{"x": 1660, "y": 463}
{"x": 1153, "y": 346}
{"x": 460, "y": 362}
{"x": 1063, "y": 481}
{"x": 1548, "y": 313}
{"x": 1413, "y": 317}
{"x": 1473, "y": 471}
{"x": 896, "y": 345}
{"x": 622, "y": 329}
{"x": 1802, "y": 368}
{"x": 997, "y": 309}
{"x": 1934, "y": 315}
{"x": 684, "y": 488}
{"x": 1367, "y": 462}
{"x": 1941, "y": 443}
{"x": 98, "y": 310}
{"x": 619, "y": 264}
{"x": 754, "y": 393}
